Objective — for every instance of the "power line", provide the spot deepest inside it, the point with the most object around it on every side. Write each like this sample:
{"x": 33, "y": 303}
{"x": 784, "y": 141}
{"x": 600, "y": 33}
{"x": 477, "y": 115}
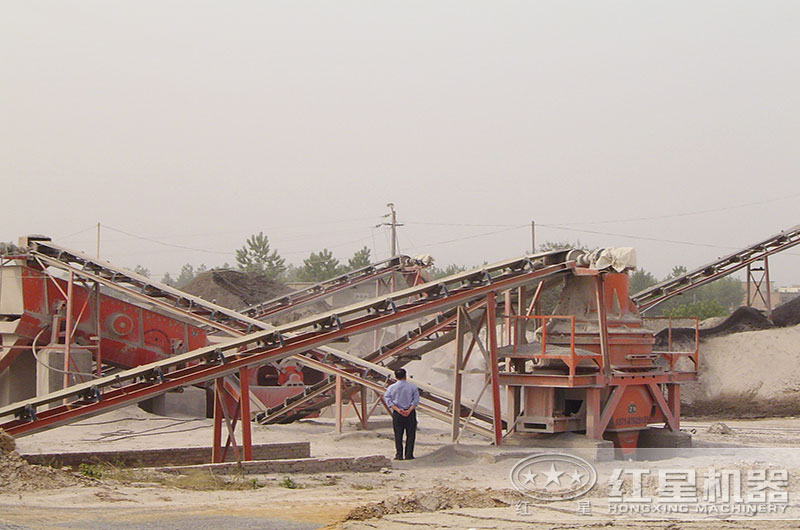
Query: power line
{"x": 156, "y": 241}
{"x": 517, "y": 227}
{"x": 583, "y": 231}
{"x": 630, "y": 219}
{"x": 684, "y": 214}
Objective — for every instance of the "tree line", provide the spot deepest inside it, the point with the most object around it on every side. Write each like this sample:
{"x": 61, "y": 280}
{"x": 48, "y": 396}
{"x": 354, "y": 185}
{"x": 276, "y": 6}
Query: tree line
{"x": 256, "y": 256}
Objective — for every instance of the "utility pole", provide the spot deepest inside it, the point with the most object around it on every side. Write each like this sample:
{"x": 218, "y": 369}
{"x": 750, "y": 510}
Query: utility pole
{"x": 533, "y": 237}
{"x": 394, "y": 224}
{"x": 394, "y": 229}
{"x": 98, "y": 240}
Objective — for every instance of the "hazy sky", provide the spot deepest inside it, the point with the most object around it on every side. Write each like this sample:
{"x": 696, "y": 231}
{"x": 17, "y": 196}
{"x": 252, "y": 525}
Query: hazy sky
{"x": 672, "y": 127}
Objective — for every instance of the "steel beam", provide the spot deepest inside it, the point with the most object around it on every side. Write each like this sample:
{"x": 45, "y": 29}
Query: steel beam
{"x": 652, "y": 296}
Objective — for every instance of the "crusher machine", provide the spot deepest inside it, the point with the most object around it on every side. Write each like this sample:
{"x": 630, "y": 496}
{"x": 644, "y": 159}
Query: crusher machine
{"x": 591, "y": 366}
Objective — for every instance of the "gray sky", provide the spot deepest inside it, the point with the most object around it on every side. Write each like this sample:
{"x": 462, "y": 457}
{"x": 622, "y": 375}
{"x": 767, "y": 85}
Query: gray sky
{"x": 200, "y": 123}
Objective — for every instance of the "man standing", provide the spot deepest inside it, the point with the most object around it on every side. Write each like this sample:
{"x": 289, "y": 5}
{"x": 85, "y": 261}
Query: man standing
{"x": 402, "y": 399}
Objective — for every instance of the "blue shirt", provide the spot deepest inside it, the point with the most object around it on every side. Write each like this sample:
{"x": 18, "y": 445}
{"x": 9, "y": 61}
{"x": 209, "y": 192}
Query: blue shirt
{"x": 401, "y": 394}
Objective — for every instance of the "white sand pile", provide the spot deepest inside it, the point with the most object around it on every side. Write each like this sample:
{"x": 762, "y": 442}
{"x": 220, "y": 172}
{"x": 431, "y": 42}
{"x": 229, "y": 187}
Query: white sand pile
{"x": 754, "y": 372}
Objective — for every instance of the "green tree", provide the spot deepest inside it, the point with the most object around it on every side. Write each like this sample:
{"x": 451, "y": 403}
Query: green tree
{"x": 359, "y": 260}
{"x": 167, "y": 280}
{"x": 436, "y": 273}
{"x": 318, "y": 267}
{"x": 256, "y": 256}
{"x": 640, "y": 280}
{"x": 678, "y": 270}
{"x": 142, "y": 271}
{"x": 702, "y": 310}
{"x": 186, "y": 275}
{"x": 725, "y": 293}
{"x": 547, "y": 246}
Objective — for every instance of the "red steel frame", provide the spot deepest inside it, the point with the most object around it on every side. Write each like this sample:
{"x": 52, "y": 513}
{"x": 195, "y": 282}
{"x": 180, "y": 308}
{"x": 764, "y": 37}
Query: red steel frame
{"x": 284, "y": 341}
{"x": 599, "y": 414}
{"x": 471, "y": 290}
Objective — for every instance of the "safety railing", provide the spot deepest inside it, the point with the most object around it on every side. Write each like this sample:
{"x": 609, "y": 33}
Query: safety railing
{"x": 571, "y": 358}
{"x": 672, "y": 355}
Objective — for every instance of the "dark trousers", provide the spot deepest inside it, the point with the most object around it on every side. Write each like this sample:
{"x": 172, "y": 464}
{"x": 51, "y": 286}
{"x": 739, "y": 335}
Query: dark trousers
{"x": 408, "y": 425}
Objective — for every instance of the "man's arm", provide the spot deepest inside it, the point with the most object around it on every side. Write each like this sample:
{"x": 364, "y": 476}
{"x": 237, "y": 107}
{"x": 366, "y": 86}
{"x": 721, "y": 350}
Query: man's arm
{"x": 388, "y": 398}
{"x": 414, "y": 399}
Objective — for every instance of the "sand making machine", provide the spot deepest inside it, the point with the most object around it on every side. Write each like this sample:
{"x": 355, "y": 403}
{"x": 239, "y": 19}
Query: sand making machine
{"x": 591, "y": 365}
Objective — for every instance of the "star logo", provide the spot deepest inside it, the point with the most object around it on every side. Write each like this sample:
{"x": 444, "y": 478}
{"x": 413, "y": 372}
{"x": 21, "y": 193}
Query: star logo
{"x": 553, "y": 476}
{"x": 564, "y": 476}
{"x": 576, "y": 476}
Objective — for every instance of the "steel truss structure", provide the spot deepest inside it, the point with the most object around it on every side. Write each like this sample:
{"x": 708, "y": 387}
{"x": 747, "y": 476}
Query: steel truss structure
{"x": 747, "y": 258}
{"x": 410, "y": 268}
{"x": 305, "y": 339}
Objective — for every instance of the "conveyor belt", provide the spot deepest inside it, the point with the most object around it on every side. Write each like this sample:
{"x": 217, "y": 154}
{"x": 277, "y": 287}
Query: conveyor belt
{"x": 297, "y": 299}
{"x": 652, "y": 296}
{"x": 320, "y": 395}
{"x": 226, "y": 320}
{"x": 268, "y": 345}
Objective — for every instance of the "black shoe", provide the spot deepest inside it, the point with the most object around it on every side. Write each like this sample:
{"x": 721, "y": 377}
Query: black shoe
{"x": 398, "y": 457}
{"x": 409, "y": 458}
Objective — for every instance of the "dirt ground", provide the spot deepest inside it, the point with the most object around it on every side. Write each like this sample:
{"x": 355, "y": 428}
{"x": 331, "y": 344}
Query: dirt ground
{"x": 467, "y": 485}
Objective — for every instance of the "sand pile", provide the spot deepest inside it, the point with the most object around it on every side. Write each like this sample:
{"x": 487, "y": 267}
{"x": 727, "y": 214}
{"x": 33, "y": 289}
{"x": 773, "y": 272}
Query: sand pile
{"x": 436, "y": 499}
{"x": 17, "y": 475}
{"x": 749, "y": 374}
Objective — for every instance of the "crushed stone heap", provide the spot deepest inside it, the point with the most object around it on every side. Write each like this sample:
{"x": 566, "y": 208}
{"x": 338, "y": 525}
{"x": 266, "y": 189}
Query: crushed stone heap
{"x": 235, "y": 289}
{"x": 238, "y": 290}
{"x": 18, "y": 475}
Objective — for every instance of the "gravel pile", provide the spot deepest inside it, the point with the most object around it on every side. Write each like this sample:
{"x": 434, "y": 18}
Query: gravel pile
{"x": 17, "y": 475}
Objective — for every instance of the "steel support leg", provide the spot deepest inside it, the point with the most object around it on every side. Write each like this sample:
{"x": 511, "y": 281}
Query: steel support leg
{"x": 363, "y": 406}
{"x": 769, "y": 295}
{"x": 244, "y": 407}
{"x": 602, "y": 322}
{"x": 216, "y": 447}
{"x": 458, "y": 366}
{"x": 674, "y": 402}
{"x": 491, "y": 330}
{"x": 338, "y": 393}
{"x": 593, "y": 430}
{"x": 68, "y": 330}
